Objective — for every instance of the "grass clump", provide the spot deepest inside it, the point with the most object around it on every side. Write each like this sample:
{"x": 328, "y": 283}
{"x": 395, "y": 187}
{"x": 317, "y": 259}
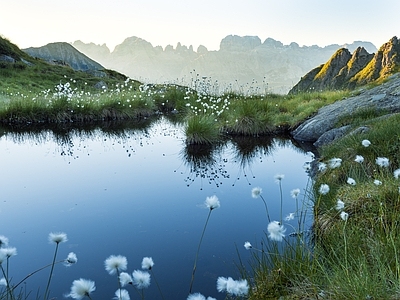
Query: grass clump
{"x": 201, "y": 129}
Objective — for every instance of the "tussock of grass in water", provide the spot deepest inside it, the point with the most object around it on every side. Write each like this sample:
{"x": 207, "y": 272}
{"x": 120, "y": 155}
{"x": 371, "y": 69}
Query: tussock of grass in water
{"x": 201, "y": 130}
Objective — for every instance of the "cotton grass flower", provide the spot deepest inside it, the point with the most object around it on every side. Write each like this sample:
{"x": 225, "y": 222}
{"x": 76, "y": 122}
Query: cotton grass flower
{"x": 141, "y": 279}
{"x": 212, "y": 202}
{"x": 71, "y": 259}
{"x": 322, "y": 167}
{"x": 232, "y": 287}
{"x": 3, "y": 281}
{"x": 294, "y": 193}
{"x": 335, "y": 163}
{"x": 324, "y": 189}
{"x": 382, "y": 162}
{"x": 115, "y": 263}
{"x": 256, "y": 192}
{"x": 351, "y": 181}
{"x": 276, "y": 231}
{"x": 81, "y": 288}
{"x": 344, "y": 216}
{"x": 289, "y": 217}
{"x": 57, "y": 237}
{"x": 121, "y": 294}
{"x": 147, "y": 263}
{"x": 359, "y": 159}
{"x": 8, "y": 251}
{"x": 247, "y": 245}
{"x": 339, "y": 204}
{"x": 125, "y": 278}
{"x": 3, "y": 241}
{"x": 377, "y": 182}
{"x": 396, "y": 173}
{"x": 279, "y": 177}
{"x": 365, "y": 143}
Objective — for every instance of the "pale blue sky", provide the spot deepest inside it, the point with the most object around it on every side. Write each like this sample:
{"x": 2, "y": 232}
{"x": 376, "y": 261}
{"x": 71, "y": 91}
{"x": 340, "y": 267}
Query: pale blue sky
{"x": 307, "y": 22}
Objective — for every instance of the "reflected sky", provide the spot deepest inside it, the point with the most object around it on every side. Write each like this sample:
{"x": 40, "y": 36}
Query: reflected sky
{"x": 139, "y": 192}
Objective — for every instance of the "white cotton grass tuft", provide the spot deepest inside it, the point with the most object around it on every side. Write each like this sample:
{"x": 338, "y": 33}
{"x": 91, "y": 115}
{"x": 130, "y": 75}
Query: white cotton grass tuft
{"x": 276, "y": 231}
{"x": 339, "y": 204}
{"x": 335, "y": 163}
{"x": 359, "y": 159}
{"x": 294, "y": 193}
{"x": 8, "y": 252}
{"x": 232, "y": 287}
{"x": 351, "y": 181}
{"x": 57, "y": 237}
{"x": 81, "y": 288}
{"x": 279, "y": 177}
{"x": 396, "y": 173}
{"x": 322, "y": 167}
{"x": 344, "y": 216}
{"x": 115, "y": 263}
{"x": 365, "y": 143}
{"x": 289, "y": 217}
{"x": 256, "y": 192}
{"x": 147, "y": 263}
{"x": 212, "y": 202}
{"x": 3, "y": 282}
{"x": 121, "y": 294}
{"x": 3, "y": 241}
{"x": 71, "y": 259}
{"x": 377, "y": 182}
{"x": 382, "y": 162}
{"x": 141, "y": 279}
{"x": 324, "y": 189}
{"x": 247, "y": 245}
{"x": 196, "y": 296}
{"x": 125, "y": 278}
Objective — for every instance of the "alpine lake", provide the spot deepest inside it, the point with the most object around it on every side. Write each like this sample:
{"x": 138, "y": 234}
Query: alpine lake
{"x": 138, "y": 190}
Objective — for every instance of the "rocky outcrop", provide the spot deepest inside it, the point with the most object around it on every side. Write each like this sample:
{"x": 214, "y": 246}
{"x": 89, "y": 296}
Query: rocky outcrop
{"x": 321, "y": 128}
{"x": 345, "y": 70}
{"x": 241, "y": 64}
{"x": 64, "y": 54}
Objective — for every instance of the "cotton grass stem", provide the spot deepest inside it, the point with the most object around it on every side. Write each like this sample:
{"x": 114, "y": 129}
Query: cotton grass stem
{"x": 46, "y": 294}
{"x": 198, "y": 250}
{"x": 266, "y": 208}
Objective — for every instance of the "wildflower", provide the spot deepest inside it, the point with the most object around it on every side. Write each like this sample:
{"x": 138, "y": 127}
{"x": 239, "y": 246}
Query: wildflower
{"x": 196, "y": 296}
{"x": 3, "y": 281}
{"x": 396, "y": 173}
{"x": 121, "y": 294}
{"x": 141, "y": 279}
{"x": 365, "y": 143}
{"x": 359, "y": 159}
{"x": 242, "y": 287}
{"x": 256, "y": 192}
{"x": 351, "y": 181}
{"x": 59, "y": 237}
{"x": 8, "y": 252}
{"x": 335, "y": 163}
{"x": 377, "y": 182}
{"x": 339, "y": 204}
{"x": 382, "y": 162}
{"x": 147, "y": 263}
{"x": 81, "y": 288}
{"x": 289, "y": 217}
{"x": 294, "y": 193}
{"x": 276, "y": 231}
{"x": 114, "y": 264}
{"x": 247, "y": 245}
{"x": 125, "y": 278}
{"x": 71, "y": 259}
{"x": 233, "y": 287}
{"x": 322, "y": 167}
{"x": 279, "y": 177}
{"x": 212, "y": 202}
{"x": 344, "y": 215}
{"x": 324, "y": 189}
{"x": 3, "y": 241}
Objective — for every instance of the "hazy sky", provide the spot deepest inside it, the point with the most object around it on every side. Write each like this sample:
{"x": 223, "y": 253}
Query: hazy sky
{"x": 162, "y": 22}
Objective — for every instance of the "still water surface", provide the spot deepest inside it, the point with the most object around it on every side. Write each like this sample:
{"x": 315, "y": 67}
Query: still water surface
{"x": 138, "y": 193}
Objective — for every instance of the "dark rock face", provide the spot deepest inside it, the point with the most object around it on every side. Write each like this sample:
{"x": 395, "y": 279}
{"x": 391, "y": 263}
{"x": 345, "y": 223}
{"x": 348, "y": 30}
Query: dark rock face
{"x": 64, "y": 54}
{"x": 321, "y": 129}
{"x": 344, "y": 70}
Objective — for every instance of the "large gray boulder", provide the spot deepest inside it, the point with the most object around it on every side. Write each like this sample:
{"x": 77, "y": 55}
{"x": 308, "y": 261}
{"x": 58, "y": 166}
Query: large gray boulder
{"x": 383, "y": 97}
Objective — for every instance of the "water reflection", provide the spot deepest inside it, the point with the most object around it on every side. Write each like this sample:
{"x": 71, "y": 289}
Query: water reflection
{"x": 138, "y": 191}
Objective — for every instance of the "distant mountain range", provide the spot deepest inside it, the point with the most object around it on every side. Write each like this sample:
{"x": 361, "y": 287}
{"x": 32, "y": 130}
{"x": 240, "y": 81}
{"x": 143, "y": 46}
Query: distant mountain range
{"x": 345, "y": 70}
{"x": 242, "y": 63}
